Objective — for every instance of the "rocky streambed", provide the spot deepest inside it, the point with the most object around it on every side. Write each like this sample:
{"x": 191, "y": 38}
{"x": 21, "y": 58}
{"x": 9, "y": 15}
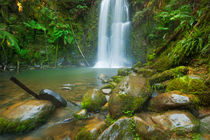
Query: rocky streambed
{"x": 137, "y": 103}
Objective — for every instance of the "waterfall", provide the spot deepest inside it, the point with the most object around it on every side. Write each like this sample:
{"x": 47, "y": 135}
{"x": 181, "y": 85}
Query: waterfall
{"x": 113, "y": 34}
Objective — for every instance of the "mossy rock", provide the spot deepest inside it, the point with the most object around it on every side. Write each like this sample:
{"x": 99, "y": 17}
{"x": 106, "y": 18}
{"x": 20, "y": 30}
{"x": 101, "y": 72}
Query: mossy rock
{"x": 146, "y": 72}
{"x": 136, "y": 66}
{"x": 168, "y": 74}
{"x": 124, "y": 71}
{"x": 25, "y": 116}
{"x": 82, "y": 114}
{"x": 122, "y": 129}
{"x": 91, "y": 130}
{"x": 93, "y": 100}
{"x": 162, "y": 63}
{"x": 117, "y": 79}
{"x": 191, "y": 85}
{"x": 129, "y": 95}
{"x": 111, "y": 85}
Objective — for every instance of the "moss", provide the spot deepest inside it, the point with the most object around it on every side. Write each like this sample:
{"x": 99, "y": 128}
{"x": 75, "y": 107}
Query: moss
{"x": 168, "y": 74}
{"x": 82, "y": 114}
{"x": 124, "y": 71}
{"x": 17, "y": 126}
{"x": 136, "y": 66}
{"x": 146, "y": 72}
{"x": 193, "y": 86}
{"x": 110, "y": 85}
{"x": 162, "y": 63}
{"x": 117, "y": 79}
{"x": 83, "y": 134}
{"x": 93, "y": 100}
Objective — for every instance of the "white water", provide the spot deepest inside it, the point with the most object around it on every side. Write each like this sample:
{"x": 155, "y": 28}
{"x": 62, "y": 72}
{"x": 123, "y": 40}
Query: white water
{"x": 113, "y": 34}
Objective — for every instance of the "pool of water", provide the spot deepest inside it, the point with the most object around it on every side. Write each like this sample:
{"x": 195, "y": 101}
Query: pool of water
{"x": 83, "y": 79}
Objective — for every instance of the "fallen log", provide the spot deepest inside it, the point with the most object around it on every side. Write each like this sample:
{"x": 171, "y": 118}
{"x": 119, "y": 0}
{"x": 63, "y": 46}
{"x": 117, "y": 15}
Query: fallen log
{"x": 44, "y": 94}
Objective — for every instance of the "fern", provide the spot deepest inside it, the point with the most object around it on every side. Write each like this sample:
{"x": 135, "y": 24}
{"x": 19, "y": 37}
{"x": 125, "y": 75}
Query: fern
{"x": 11, "y": 40}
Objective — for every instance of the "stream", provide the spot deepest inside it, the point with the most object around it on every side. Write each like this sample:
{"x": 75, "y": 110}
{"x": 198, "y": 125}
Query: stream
{"x": 60, "y": 123}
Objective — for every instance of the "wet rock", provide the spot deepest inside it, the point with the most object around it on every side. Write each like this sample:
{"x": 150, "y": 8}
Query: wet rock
{"x": 151, "y": 125}
{"x": 168, "y": 74}
{"x": 107, "y": 97}
{"x": 170, "y": 100}
{"x": 25, "y": 116}
{"x": 204, "y": 112}
{"x": 103, "y": 78}
{"x": 191, "y": 86}
{"x": 205, "y": 125}
{"x": 91, "y": 130}
{"x": 107, "y": 91}
{"x": 124, "y": 71}
{"x": 82, "y": 114}
{"x": 120, "y": 130}
{"x": 68, "y": 85}
{"x": 66, "y": 88}
{"x": 130, "y": 94}
{"x": 93, "y": 100}
{"x": 52, "y": 96}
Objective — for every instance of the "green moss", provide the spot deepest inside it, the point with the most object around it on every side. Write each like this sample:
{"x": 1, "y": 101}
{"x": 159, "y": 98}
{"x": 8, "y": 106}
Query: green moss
{"x": 168, "y": 74}
{"x": 93, "y": 100}
{"x": 193, "y": 86}
{"x": 83, "y": 134}
{"x": 124, "y": 71}
{"x": 110, "y": 85}
{"x": 17, "y": 126}
{"x": 136, "y": 66}
{"x": 146, "y": 72}
{"x": 162, "y": 63}
{"x": 117, "y": 79}
{"x": 81, "y": 115}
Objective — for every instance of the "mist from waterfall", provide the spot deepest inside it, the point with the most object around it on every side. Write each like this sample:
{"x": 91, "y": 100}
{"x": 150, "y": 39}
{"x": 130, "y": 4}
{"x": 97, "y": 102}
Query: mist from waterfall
{"x": 113, "y": 34}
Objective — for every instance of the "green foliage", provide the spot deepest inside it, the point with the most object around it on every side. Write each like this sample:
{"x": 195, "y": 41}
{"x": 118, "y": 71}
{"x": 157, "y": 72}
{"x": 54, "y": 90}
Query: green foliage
{"x": 109, "y": 121}
{"x": 191, "y": 45}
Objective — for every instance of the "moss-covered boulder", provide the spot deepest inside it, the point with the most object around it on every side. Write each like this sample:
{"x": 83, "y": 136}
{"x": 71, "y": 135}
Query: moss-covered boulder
{"x": 129, "y": 95}
{"x": 171, "y": 100}
{"x": 205, "y": 125}
{"x": 123, "y": 71}
{"x": 191, "y": 85}
{"x": 82, "y": 114}
{"x": 91, "y": 131}
{"x": 120, "y": 130}
{"x": 162, "y": 63}
{"x": 93, "y": 100}
{"x": 25, "y": 116}
{"x": 136, "y": 66}
{"x": 169, "y": 74}
{"x": 146, "y": 72}
{"x": 162, "y": 126}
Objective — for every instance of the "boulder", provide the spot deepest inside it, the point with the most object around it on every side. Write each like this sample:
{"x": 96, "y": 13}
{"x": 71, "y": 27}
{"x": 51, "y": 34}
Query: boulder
{"x": 146, "y": 72}
{"x": 162, "y": 126}
{"x": 107, "y": 91}
{"x": 191, "y": 85}
{"x": 91, "y": 130}
{"x": 93, "y": 100}
{"x": 82, "y": 114}
{"x": 168, "y": 74}
{"x": 124, "y": 71}
{"x": 25, "y": 116}
{"x": 120, "y": 130}
{"x": 129, "y": 95}
{"x": 52, "y": 96}
{"x": 205, "y": 125}
{"x": 170, "y": 100}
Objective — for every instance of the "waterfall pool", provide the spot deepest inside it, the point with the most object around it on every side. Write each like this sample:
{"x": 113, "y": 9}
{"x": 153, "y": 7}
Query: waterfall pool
{"x": 79, "y": 79}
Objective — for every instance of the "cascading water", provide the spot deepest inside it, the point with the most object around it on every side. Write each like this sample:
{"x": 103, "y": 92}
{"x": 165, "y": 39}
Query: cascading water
{"x": 113, "y": 34}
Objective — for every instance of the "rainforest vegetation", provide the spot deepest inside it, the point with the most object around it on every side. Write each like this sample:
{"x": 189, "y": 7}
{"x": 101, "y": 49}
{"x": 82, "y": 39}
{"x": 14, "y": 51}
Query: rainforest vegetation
{"x": 164, "y": 95}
